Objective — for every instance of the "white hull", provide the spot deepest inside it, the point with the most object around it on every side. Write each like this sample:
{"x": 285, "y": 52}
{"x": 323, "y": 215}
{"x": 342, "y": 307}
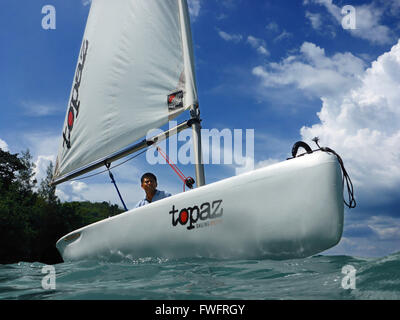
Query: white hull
{"x": 288, "y": 210}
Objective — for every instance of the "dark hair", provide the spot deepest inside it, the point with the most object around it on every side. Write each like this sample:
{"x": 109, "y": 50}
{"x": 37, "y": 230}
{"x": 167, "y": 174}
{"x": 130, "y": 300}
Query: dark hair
{"x": 148, "y": 175}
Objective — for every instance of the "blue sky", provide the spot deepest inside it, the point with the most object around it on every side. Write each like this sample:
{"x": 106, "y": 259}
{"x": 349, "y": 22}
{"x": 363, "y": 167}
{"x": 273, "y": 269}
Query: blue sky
{"x": 287, "y": 69}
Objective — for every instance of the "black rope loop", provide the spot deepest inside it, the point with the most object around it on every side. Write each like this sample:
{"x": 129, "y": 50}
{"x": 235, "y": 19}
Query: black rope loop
{"x": 351, "y": 203}
{"x": 300, "y": 144}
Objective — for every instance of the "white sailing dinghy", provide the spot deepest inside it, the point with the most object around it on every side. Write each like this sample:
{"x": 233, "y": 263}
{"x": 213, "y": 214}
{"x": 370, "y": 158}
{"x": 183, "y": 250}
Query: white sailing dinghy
{"x": 135, "y": 72}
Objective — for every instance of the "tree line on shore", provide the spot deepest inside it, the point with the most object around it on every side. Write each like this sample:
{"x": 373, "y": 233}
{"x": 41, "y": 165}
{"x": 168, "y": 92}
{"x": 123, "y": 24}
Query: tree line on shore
{"x": 32, "y": 218}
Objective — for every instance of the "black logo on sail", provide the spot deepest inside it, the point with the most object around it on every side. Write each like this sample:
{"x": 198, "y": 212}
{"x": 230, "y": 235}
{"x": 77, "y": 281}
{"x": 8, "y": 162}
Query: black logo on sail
{"x": 175, "y": 100}
{"x": 74, "y": 104}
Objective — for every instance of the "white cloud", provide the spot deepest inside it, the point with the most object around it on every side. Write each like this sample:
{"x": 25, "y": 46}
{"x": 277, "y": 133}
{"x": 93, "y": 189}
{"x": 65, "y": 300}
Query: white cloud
{"x": 236, "y": 38}
{"x": 246, "y": 166}
{"x": 194, "y": 8}
{"x": 368, "y": 21}
{"x": 267, "y": 163}
{"x": 104, "y": 191}
{"x": 313, "y": 72}
{"x": 35, "y": 109}
{"x": 222, "y": 16}
{"x": 272, "y": 26}
{"x": 78, "y": 186}
{"x": 41, "y": 165}
{"x": 3, "y": 145}
{"x": 315, "y": 19}
{"x": 254, "y": 42}
{"x": 42, "y": 144}
{"x": 363, "y": 125}
{"x": 368, "y": 236}
{"x": 78, "y": 191}
{"x": 229, "y": 3}
{"x": 394, "y": 6}
{"x": 283, "y": 35}
{"x": 359, "y": 117}
{"x": 385, "y": 227}
{"x": 62, "y": 195}
{"x": 74, "y": 191}
{"x": 86, "y": 2}
{"x": 43, "y": 147}
{"x": 369, "y": 27}
{"x": 258, "y": 44}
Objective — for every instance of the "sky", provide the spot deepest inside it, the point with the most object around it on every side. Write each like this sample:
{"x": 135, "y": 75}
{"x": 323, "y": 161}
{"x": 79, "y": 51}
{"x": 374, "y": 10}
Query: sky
{"x": 289, "y": 70}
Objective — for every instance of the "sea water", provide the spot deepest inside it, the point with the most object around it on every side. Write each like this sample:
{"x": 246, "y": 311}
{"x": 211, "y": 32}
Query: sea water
{"x": 315, "y": 278}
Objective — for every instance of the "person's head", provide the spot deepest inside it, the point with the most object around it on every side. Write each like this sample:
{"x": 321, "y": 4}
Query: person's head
{"x": 149, "y": 182}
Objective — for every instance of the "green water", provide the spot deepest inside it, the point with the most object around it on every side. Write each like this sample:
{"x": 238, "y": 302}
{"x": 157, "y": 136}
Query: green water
{"x": 314, "y": 278}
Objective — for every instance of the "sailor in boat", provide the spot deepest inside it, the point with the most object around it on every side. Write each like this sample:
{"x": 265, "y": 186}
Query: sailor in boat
{"x": 149, "y": 185}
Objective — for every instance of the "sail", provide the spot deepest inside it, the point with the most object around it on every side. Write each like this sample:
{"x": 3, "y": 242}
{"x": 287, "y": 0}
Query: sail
{"x": 135, "y": 72}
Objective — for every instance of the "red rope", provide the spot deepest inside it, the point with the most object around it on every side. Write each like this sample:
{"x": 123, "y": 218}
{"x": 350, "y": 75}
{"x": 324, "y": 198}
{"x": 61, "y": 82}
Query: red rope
{"x": 174, "y": 167}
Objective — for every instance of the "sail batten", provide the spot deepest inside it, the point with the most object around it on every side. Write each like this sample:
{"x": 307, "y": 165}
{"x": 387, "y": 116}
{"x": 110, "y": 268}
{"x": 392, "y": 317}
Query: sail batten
{"x": 135, "y": 72}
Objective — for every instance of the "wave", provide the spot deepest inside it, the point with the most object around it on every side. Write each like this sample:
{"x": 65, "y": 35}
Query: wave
{"x": 320, "y": 277}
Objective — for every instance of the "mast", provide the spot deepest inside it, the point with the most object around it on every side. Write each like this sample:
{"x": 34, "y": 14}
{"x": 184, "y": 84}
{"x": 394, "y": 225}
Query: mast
{"x": 191, "y": 91}
{"x": 198, "y": 154}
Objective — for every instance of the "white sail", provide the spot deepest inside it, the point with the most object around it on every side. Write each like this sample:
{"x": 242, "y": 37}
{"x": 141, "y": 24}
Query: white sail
{"x": 135, "y": 72}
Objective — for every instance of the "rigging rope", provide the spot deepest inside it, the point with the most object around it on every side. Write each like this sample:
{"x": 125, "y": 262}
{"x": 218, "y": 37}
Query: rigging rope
{"x": 115, "y": 185}
{"x": 187, "y": 181}
{"x": 117, "y": 165}
{"x": 351, "y": 203}
{"x": 350, "y": 190}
